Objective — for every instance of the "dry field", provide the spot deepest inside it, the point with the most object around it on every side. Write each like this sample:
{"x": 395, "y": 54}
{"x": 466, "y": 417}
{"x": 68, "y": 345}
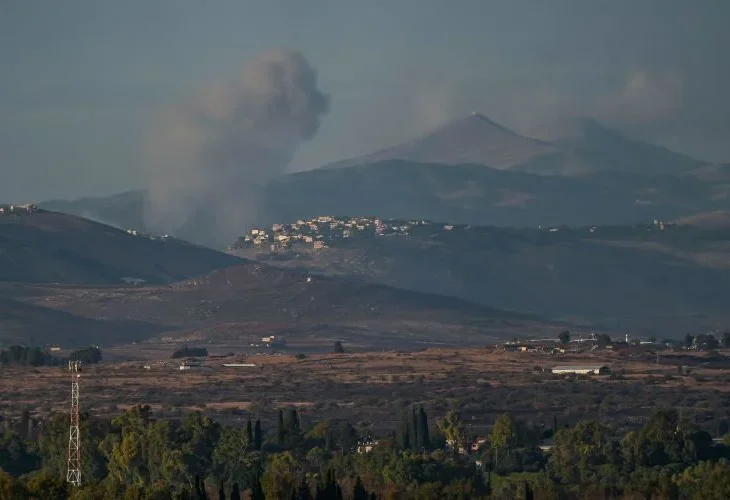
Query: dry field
{"x": 374, "y": 387}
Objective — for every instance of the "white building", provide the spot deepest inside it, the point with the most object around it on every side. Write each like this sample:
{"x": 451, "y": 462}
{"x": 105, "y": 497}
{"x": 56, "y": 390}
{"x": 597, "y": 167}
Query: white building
{"x": 583, "y": 369}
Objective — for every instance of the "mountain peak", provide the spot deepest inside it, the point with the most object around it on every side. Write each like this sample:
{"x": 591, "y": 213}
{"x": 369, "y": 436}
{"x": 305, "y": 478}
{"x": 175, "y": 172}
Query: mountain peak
{"x": 473, "y": 139}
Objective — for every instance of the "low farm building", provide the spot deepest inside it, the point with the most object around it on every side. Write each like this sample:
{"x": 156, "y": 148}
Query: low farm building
{"x": 583, "y": 369}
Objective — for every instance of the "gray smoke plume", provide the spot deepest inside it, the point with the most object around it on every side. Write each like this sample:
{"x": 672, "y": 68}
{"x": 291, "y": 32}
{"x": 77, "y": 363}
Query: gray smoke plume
{"x": 212, "y": 157}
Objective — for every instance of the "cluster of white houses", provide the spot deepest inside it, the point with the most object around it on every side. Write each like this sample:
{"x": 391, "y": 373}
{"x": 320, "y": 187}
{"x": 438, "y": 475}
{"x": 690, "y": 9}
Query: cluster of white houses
{"x": 26, "y": 208}
{"x": 321, "y": 231}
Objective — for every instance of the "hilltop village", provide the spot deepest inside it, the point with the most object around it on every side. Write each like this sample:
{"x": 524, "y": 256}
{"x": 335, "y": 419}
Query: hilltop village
{"x": 26, "y": 208}
{"x": 324, "y": 231}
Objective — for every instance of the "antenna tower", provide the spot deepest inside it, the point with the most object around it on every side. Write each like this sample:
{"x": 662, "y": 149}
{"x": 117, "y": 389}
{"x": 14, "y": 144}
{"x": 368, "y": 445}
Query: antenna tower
{"x": 73, "y": 474}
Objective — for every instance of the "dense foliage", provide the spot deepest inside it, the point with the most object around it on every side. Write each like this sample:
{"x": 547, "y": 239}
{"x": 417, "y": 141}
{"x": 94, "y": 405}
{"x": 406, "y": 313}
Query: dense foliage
{"x": 138, "y": 456}
{"x": 190, "y": 352}
{"x": 88, "y": 356}
{"x": 35, "y": 356}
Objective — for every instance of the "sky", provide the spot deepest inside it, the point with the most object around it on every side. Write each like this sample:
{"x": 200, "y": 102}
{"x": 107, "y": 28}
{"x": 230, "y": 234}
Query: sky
{"x": 82, "y": 81}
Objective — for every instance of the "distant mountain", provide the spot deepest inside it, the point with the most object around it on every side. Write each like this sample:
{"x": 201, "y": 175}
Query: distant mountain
{"x": 474, "y": 194}
{"x": 50, "y": 247}
{"x": 603, "y": 149}
{"x": 637, "y": 278}
{"x": 468, "y": 194}
{"x": 472, "y": 140}
{"x": 570, "y": 147}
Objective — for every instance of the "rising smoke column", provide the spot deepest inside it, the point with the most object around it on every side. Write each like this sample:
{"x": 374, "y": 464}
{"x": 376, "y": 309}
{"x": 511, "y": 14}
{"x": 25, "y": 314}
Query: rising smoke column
{"x": 211, "y": 157}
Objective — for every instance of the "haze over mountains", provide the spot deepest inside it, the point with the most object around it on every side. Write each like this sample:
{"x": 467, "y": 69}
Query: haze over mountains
{"x": 472, "y": 171}
{"x": 568, "y": 147}
{"x": 478, "y": 172}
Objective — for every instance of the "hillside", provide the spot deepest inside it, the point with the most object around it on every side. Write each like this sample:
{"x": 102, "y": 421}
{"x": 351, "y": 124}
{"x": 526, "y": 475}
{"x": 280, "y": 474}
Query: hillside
{"x": 463, "y": 194}
{"x": 39, "y": 246}
{"x": 642, "y": 278}
{"x": 25, "y": 323}
{"x": 569, "y": 147}
{"x": 472, "y": 140}
{"x": 603, "y": 149}
{"x": 474, "y": 194}
{"x": 240, "y": 302}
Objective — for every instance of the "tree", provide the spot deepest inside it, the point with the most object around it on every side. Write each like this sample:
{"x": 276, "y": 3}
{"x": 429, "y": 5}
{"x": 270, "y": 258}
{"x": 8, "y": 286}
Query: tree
{"x": 415, "y": 440}
{"x": 257, "y": 438}
{"x": 603, "y": 340}
{"x": 358, "y": 491}
{"x": 706, "y": 341}
{"x": 249, "y": 432}
{"x": 190, "y": 352}
{"x": 564, "y": 337}
{"x": 424, "y": 439}
{"x": 338, "y": 349}
{"x": 726, "y": 339}
{"x": 280, "y": 429}
{"x": 257, "y": 493}
{"x": 88, "y": 356}
{"x": 584, "y": 452}
{"x": 235, "y": 492}
{"x": 504, "y": 432}
{"x": 303, "y": 492}
{"x": 689, "y": 340}
{"x": 452, "y": 429}
{"x": 221, "y": 493}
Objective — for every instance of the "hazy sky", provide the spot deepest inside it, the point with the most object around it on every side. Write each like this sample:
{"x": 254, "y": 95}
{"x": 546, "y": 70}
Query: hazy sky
{"x": 81, "y": 81}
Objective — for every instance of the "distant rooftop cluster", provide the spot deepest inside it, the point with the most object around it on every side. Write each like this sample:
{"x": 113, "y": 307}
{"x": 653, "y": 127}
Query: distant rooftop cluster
{"x": 26, "y": 208}
{"x": 151, "y": 236}
{"x": 320, "y": 232}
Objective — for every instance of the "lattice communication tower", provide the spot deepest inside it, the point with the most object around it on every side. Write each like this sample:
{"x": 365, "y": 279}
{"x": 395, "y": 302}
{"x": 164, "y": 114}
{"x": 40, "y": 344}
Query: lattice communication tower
{"x": 73, "y": 474}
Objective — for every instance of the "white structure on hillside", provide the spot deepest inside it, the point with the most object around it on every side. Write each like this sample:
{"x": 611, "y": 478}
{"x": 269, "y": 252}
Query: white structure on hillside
{"x": 583, "y": 369}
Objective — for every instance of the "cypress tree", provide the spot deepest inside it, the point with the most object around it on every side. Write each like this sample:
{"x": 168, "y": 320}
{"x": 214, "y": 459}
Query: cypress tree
{"x": 425, "y": 440}
{"x": 358, "y": 491}
{"x": 280, "y": 430}
{"x": 235, "y": 492}
{"x": 292, "y": 426}
{"x": 528, "y": 492}
{"x": 249, "y": 432}
{"x": 303, "y": 492}
{"x": 257, "y": 493}
{"x": 257, "y": 435}
{"x": 415, "y": 438}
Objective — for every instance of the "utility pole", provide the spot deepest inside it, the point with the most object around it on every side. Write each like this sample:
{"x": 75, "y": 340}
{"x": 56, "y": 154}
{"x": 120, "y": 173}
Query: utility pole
{"x": 73, "y": 474}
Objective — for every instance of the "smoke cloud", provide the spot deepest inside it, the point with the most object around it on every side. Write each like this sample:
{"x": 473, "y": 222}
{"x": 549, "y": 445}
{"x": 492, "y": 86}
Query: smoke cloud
{"x": 211, "y": 157}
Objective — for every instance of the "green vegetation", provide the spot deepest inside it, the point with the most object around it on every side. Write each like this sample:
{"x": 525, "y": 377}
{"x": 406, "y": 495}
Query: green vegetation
{"x": 190, "y": 352}
{"x": 35, "y": 356}
{"x": 88, "y": 356}
{"x": 138, "y": 456}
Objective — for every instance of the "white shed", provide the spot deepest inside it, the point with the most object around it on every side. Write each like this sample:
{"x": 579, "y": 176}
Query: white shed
{"x": 583, "y": 369}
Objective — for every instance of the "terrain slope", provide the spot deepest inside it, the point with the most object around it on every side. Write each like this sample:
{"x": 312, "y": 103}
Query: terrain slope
{"x": 241, "y": 303}
{"x": 50, "y": 247}
{"x": 639, "y": 278}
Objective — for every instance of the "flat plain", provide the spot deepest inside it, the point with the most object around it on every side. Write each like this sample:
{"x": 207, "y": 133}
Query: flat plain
{"x": 373, "y": 387}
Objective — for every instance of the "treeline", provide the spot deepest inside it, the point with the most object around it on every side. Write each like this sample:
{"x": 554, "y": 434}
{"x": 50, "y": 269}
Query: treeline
{"x": 35, "y": 356}
{"x": 136, "y": 456}
{"x": 190, "y": 352}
